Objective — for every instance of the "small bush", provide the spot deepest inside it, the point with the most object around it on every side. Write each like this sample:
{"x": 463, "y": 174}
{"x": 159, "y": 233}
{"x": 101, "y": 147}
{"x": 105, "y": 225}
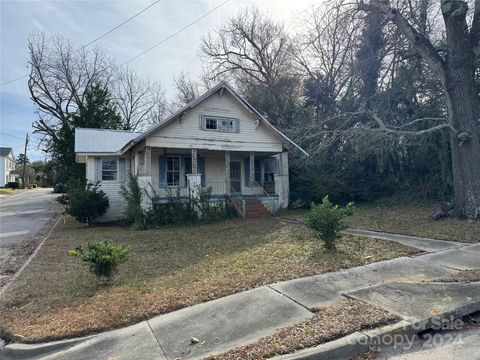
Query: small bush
{"x": 86, "y": 202}
{"x": 60, "y": 188}
{"x": 327, "y": 220}
{"x": 13, "y": 185}
{"x": 63, "y": 199}
{"x": 34, "y": 186}
{"x": 175, "y": 211}
{"x": 209, "y": 210}
{"x": 133, "y": 195}
{"x": 102, "y": 257}
{"x": 178, "y": 210}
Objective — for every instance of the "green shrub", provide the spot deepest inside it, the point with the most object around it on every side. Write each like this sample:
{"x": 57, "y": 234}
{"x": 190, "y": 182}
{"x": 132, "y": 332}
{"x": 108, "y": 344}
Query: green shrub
{"x": 209, "y": 210}
{"x": 60, "y": 188}
{"x": 102, "y": 257}
{"x": 178, "y": 210}
{"x": 133, "y": 195}
{"x": 327, "y": 220}
{"x": 63, "y": 199}
{"x": 13, "y": 185}
{"x": 175, "y": 211}
{"x": 86, "y": 202}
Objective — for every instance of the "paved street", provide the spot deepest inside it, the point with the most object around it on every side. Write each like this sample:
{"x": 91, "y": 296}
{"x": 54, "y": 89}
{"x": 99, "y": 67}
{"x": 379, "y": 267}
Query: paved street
{"x": 25, "y": 214}
{"x": 22, "y": 219}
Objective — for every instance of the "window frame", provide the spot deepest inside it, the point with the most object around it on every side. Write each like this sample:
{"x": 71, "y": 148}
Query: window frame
{"x": 115, "y": 172}
{"x": 219, "y": 124}
{"x": 173, "y": 171}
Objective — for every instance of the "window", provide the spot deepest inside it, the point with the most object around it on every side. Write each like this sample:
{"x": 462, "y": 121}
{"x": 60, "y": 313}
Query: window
{"x": 211, "y": 124}
{"x": 173, "y": 170}
{"x": 214, "y": 123}
{"x": 109, "y": 170}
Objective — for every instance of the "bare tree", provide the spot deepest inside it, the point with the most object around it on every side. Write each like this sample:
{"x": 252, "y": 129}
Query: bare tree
{"x": 325, "y": 54}
{"x": 141, "y": 102}
{"x": 251, "y": 48}
{"x": 59, "y": 76}
{"x": 187, "y": 88}
{"x": 455, "y": 64}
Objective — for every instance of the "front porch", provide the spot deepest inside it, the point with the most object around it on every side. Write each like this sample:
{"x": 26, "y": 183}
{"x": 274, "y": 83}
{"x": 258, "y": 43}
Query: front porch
{"x": 236, "y": 174}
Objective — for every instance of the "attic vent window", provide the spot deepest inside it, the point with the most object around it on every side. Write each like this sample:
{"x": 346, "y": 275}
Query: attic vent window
{"x": 221, "y": 124}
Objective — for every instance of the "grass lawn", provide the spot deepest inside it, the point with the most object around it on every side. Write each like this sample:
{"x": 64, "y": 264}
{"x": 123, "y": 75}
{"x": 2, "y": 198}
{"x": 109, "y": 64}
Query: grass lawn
{"x": 9, "y": 191}
{"x": 170, "y": 268}
{"x": 404, "y": 219}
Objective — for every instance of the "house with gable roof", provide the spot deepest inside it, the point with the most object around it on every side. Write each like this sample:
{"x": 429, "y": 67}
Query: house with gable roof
{"x": 218, "y": 141}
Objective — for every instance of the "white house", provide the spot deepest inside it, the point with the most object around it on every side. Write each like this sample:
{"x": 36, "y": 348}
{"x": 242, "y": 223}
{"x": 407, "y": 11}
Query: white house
{"x": 217, "y": 141}
{"x": 7, "y": 166}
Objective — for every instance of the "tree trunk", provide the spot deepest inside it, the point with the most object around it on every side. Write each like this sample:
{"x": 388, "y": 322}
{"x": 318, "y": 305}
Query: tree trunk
{"x": 463, "y": 110}
{"x": 464, "y": 115}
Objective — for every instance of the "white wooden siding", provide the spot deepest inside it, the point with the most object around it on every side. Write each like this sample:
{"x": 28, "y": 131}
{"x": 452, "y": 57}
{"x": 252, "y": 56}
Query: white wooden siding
{"x": 186, "y": 131}
{"x": 118, "y": 206}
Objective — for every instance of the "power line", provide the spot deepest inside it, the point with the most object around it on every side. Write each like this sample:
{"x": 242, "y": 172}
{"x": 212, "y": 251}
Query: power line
{"x": 18, "y": 111}
{"x": 157, "y": 44}
{"x": 96, "y": 39}
{"x": 176, "y": 32}
{"x": 13, "y": 80}
{"x": 15, "y": 136}
{"x": 121, "y": 24}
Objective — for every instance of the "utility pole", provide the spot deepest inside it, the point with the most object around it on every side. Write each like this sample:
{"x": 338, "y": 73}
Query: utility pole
{"x": 24, "y": 161}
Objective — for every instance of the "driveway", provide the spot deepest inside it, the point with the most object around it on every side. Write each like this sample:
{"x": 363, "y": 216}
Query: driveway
{"x": 22, "y": 219}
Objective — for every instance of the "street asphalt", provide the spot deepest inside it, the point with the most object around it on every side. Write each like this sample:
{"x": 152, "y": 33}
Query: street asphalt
{"x": 23, "y": 215}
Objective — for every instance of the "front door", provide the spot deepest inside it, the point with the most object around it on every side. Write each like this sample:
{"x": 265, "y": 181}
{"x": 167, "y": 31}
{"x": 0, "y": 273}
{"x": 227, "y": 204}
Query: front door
{"x": 235, "y": 177}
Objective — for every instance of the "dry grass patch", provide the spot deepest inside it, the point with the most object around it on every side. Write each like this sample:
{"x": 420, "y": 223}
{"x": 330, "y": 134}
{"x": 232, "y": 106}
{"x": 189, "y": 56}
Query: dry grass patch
{"x": 327, "y": 324}
{"x": 414, "y": 220}
{"x": 170, "y": 268}
{"x": 370, "y": 355}
{"x": 9, "y": 191}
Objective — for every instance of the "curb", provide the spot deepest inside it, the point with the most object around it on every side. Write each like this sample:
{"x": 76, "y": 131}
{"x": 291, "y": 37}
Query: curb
{"x": 23, "y": 351}
{"x": 17, "y": 274}
{"x": 340, "y": 349}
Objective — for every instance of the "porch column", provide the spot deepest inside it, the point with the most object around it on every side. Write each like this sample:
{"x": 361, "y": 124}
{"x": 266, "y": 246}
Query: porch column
{"x": 252, "y": 168}
{"x": 227, "y": 172}
{"x": 145, "y": 177}
{"x": 282, "y": 179}
{"x": 147, "y": 161}
{"x": 194, "y": 162}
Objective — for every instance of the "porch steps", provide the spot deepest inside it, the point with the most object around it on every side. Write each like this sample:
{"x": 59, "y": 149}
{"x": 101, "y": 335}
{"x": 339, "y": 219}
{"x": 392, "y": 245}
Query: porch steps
{"x": 254, "y": 209}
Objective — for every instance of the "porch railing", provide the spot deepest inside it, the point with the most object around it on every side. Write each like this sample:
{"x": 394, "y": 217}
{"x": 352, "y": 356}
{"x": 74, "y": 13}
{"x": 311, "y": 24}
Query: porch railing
{"x": 238, "y": 203}
{"x": 271, "y": 203}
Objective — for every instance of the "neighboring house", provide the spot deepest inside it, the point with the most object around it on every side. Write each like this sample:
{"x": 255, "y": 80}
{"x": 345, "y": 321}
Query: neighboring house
{"x": 7, "y": 166}
{"x": 218, "y": 141}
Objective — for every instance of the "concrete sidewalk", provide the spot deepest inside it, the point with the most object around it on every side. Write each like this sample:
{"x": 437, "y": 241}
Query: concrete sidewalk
{"x": 425, "y": 244}
{"x": 242, "y": 318}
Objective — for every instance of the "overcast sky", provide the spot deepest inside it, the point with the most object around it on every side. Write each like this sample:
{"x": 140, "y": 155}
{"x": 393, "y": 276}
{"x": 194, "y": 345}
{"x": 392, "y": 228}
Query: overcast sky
{"x": 82, "y": 21}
